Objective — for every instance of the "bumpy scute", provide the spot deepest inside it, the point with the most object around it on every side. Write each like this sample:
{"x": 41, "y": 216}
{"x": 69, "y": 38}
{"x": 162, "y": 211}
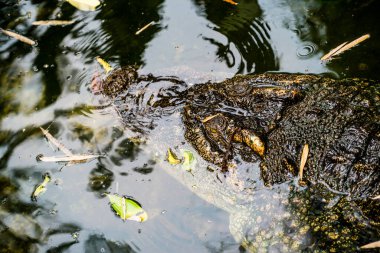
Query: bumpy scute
{"x": 268, "y": 118}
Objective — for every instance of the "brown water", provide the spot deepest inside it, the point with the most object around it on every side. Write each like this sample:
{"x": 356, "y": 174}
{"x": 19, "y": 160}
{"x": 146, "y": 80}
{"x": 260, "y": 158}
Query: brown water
{"x": 48, "y": 86}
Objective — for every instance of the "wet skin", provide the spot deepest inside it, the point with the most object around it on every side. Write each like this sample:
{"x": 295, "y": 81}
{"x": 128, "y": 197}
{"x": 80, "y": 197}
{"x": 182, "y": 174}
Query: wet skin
{"x": 268, "y": 118}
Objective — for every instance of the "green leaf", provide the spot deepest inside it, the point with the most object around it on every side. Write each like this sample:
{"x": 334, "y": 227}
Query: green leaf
{"x": 41, "y": 188}
{"x": 127, "y": 208}
{"x": 172, "y": 158}
{"x": 188, "y": 160}
{"x": 84, "y": 5}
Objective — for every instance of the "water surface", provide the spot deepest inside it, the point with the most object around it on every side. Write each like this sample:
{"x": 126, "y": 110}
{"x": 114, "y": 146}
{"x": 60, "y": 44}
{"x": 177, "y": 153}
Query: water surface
{"x": 48, "y": 86}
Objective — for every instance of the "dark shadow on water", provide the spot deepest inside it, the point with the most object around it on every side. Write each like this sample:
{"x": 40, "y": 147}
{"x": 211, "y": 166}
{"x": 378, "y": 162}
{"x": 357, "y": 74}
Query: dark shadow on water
{"x": 100, "y": 179}
{"x": 346, "y": 21}
{"x": 244, "y": 30}
{"x": 98, "y": 243}
{"x": 121, "y": 20}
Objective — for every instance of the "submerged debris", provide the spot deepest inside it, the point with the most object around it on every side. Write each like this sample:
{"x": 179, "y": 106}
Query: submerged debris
{"x": 188, "y": 160}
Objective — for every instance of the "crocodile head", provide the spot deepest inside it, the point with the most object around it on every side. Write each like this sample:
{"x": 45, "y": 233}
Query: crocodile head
{"x": 119, "y": 80}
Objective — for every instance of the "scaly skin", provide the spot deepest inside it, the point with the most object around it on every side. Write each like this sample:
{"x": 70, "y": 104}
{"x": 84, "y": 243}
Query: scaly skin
{"x": 268, "y": 118}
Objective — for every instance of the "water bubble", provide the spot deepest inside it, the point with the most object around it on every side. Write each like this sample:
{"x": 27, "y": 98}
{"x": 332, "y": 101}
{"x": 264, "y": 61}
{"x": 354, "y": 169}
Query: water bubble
{"x": 69, "y": 77}
{"x": 35, "y": 69}
{"x": 307, "y": 50}
{"x": 102, "y": 250}
{"x": 45, "y": 66}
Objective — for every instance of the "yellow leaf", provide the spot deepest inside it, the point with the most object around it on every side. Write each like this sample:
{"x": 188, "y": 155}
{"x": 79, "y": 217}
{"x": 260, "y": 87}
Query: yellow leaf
{"x": 84, "y": 5}
{"x": 172, "y": 158}
{"x": 41, "y": 188}
{"x": 107, "y": 67}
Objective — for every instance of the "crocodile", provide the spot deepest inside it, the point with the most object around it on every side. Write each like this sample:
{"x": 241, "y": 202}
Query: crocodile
{"x": 249, "y": 133}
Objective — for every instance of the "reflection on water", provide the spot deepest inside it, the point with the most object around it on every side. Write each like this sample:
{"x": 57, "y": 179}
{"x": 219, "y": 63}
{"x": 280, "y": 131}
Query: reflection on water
{"x": 246, "y": 43}
{"x": 47, "y": 86}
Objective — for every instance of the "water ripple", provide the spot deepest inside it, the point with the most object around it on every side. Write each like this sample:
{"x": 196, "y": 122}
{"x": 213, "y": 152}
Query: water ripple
{"x": 307, "y": 50}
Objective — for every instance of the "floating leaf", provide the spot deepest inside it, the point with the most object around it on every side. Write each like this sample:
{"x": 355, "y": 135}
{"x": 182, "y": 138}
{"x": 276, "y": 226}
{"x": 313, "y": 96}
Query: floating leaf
{"x": 305, "y": 153}
{"x": 145, "y": 27}
{"x": 188, "y": 160}
{"x": 53, "y": 22}
{"x": 230, "y": 2}
{"x": 71, "y": 158}
{"x": 54, "y": 141}
{"x": 41, "y": 188}
{"x": 344, "y": 47}
{"x": 127, "y": 208}
{"x": 107, "y": 67}
{"x": 84, "y": 5}
{"x": 18, "y": 37}
{"x": 371, "y": 245}
{"x": 172, "y": 158}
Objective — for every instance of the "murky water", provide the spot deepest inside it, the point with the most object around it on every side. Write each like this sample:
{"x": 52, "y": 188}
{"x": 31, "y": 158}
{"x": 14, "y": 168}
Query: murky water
{"x": 48, "y": 86}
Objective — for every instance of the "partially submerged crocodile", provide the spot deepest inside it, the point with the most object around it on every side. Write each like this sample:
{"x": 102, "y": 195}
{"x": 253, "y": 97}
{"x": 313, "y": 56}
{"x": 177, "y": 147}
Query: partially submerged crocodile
{"x": 267, "y": 119}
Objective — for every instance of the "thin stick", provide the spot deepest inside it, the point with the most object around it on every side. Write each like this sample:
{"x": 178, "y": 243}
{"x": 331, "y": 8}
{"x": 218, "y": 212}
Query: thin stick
{"x": 145, "y": 27}
{"x": 18, "y": 37}
{"x": 344, "y": 47}
{"x": 305, "y": 153}
{"x": 71, "y": 158}
{"x": 59, "y": 145}
{"x": 53, "y": 22}
{"x": 371, "y": 245}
